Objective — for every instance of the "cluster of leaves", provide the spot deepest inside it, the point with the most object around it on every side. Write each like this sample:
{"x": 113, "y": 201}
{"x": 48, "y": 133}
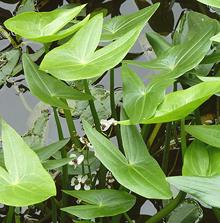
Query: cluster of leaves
{"x": 166, "y": 152}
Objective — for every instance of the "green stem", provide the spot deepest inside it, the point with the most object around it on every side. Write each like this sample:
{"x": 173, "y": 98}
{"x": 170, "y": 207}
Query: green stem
{"x": 197, "y": 116}
{"x": 217, "y": 213}
{"x": 64, "y": 168}
{"x": 166, "y": 210}
{"x": 113, "y": 108}
{"x": 54, "y": 210}
{"x": 145, "y": 130}
{"x": 183, "y": 137}
{"x": 127, "y": 218}
{"x": 10, "y": 214}
{"x": 166, "y": 148}
{"x": 92, "y": 108}
{"x": 72, "y": 128}
{"x": 59, "y": 128}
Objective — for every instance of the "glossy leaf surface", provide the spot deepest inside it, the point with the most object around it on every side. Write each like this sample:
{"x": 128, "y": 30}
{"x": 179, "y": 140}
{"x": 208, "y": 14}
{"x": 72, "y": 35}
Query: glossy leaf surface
{"x": 100, "y": 203}
{"x": 139, "y": 100}
{"x": 205, "y": 189}
{"x": 73, "y": 60}
{"x": 46, "y": 152}
{"x": 209, "y": 134}
{"x": 213, "y": 3}
{"x": 201, "y": 160}
{"x": 24, "y": 173}
{"x": 47, "y": 88}
{"x": 187, "y": 211}
{"x": 138, "y": 171}
{"x": 120, "y": 25}
{"x": 179, "y": 104}
{"x": 45, "y": 26}
{"x": 201, "y": 172}
{"x": 191, "y": 44}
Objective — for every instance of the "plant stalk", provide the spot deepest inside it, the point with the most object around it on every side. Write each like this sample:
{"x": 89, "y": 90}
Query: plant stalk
{"x": 217, "y": 213}
{"x": 64, "y": 168}
{"x": 128, "y": 218}
{"x": 166, "y": 210}
{"x": 167, "y": 147}
{"x": 113, "y": 109}
{"x": 10, "y": 214}
{"x": 183, "y": 137}
{"x": 92, "y": 108}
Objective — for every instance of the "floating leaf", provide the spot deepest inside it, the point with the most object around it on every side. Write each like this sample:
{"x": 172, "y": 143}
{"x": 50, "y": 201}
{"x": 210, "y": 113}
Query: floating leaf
{"x": 45, "y": 26}
{"x": 209, "y": 134}
{"x": 47, "y": 88}
{"x": 138, "y": 171}
{"x": 74, "y": 59}
{"x": 8, "y": 61}
{"x": 36, "y": 134}
{"x": 120, "y": 25}
{"x": 100, "y": 203}
{"x": 24, "y": 173}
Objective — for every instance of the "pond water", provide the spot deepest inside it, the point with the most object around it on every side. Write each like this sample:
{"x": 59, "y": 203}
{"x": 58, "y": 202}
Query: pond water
{"x": 16, "y": 109}
{"x": 12, "y": 106}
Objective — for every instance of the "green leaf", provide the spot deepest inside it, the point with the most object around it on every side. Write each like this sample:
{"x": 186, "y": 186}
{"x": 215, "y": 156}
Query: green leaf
{"x": 48, "y": 151}
{"x": 26, "y": 6}
{"x": 179, "y": 104}
{"x": 213, "y": 3}
{"x": 24, "y": 173}
{"x": 205, "y": 189}
{"x": 139, "y": 100}
{"x": 159, "y": 44}
{"x": 209, "y": 134}
{"x": 138, "y": 171}
{"x": 45, "y": 26}
{"x": 47, "y": 88}
{"x": 56, "y": 163}
{"x": 8, "y": 61}
{"x": 188, "y": 211}
{"x": 100, "y": 203}
{"x": 74, "y": 59}
{"x": 201, "y": 172}
{"x": 201, "y": 160}
{"x": 120, "y": 25}
{"x": 182, "y": 57}
{"x": 216, "y": 38}
{"x": 35, "y": 136}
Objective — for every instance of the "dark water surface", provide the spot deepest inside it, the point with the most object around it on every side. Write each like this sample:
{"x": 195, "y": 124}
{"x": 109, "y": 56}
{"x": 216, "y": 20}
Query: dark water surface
{"x": 12, "y": 107}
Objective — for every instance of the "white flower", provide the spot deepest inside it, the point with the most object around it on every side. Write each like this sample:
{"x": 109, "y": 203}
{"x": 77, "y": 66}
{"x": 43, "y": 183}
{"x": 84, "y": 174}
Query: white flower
{"x": 76, "y": 160}
{"x": 87, "y": 143}
{"x": 106, "y": 124}
{"x": 79, "y": 181}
